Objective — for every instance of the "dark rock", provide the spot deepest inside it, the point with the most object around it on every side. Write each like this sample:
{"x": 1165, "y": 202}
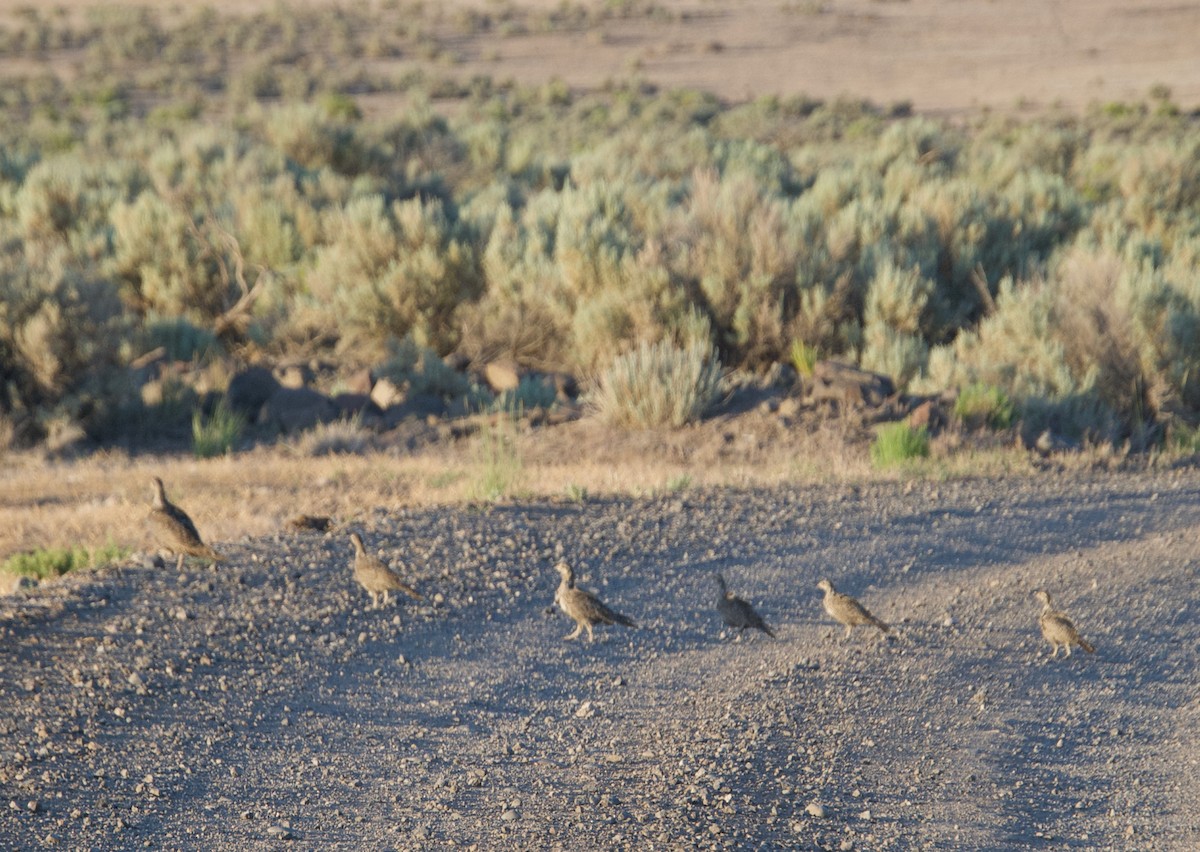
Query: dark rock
{"x": 351, "y": 404}
{"x": 848, "y": 385}
{"x": 565, "y": 385}
{"x": 250, "y": 389}
{"x": 297, "y": 409}
{"x": 457, "y": 361}
{"x": 419, "y": 406}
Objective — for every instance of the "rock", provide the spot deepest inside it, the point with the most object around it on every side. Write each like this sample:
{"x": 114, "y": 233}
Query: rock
{"x": 502, "y": 376}
{"x": 789, "y": 407}
{"x": 357, "y": 404}
{"x": 250, "y": 389}
{"x": 419, "y": 406}
{"x": 359, "y": 382}
{"x": 295, "y": 409}
{"x": 509, "y": 815}
{"x": 385, "y": 393}
{"x": 848, "y": 385}
{"x": 929, "y": 415}
{"x": 280, "y": 832}
{"x": 816, "y": 810}
{"x": 10, "y": 584}
{"x": 295, "y": 375}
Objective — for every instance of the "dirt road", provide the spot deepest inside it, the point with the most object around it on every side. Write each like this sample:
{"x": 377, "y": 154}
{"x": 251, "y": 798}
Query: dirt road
{"x": 260, "y": 703}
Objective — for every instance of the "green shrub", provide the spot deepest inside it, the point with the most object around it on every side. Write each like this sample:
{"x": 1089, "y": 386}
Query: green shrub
{"x": 531, "y": 392}
{"x": 984, "y": 405}
{"x": 54, "y": 562}
{"x": 897, "y": 444}
{"x": 216, "y": 434}
{"x": 658, "y": 385}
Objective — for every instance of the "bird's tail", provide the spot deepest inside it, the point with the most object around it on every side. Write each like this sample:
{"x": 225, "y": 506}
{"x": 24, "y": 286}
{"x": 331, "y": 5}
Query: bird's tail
{"x": 211, "y": 554}
{"x": 411, "y": 592}
{"x": 623, "y": 619}
{"x": 1087, "y": 646}
{"x": 769, "y": 632}
{"x": 881, "y": 625}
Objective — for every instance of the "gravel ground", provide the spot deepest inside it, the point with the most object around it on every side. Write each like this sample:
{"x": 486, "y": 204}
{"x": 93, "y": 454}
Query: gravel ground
{"x": 261, "y": 703}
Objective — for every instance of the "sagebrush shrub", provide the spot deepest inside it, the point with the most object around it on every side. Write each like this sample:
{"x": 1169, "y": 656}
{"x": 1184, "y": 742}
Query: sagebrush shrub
{"x": 658, "y": 385}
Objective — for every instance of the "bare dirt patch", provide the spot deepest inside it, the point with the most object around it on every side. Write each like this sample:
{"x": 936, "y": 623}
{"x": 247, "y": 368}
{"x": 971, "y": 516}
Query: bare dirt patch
{"x": 261, "y": 699}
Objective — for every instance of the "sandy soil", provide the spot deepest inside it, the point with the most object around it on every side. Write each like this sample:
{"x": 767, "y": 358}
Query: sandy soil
{"x": 943, "y": 56}
{"x": 261, "y": 700}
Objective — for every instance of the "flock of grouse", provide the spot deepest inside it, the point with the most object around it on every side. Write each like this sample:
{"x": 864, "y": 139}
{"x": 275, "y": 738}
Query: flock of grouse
{"x": 587, "y": 610}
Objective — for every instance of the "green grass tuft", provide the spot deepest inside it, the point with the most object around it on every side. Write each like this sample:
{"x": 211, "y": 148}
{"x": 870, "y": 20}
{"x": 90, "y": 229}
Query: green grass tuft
{"x": 216, "y": 434}
{"x": 54, "y": 562}
{"x": 896, "y": 444}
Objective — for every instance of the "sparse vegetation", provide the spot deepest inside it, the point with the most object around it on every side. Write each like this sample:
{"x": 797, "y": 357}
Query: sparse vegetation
{"x": 897, "y": 444}
{"x": 340, "y": 437}
{"x": 54, "y": 562}
{"x": 1050, "y": 259}
{"x": 980, "y": 405}
{"x": 499, "y": 463}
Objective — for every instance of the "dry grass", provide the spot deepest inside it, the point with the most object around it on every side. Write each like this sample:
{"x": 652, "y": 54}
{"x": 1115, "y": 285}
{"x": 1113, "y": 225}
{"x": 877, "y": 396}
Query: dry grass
{"x": 104, "y": 498}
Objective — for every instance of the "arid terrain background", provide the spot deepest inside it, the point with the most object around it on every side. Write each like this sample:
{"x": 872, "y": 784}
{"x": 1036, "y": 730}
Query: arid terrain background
{"x": 260, "y": 702}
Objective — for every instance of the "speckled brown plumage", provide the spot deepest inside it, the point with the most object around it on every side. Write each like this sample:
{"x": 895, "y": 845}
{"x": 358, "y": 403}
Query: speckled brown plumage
{"x": 176, "y": 528}
{"x": 1057, "y": 628}
{"x": 585, "y": 608}
{"x": 376, "y": 577}
{"x": 737, "y": 612}
{"x": 846, "y": 610}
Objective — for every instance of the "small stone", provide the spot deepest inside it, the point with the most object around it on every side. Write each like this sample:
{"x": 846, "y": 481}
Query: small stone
{"x": 280, "y": 832}
{"x": 816, "y": 809}
{"x": 180, "y": 614}
{"x": 509, "y": 815}
{"x": 865, "y": 815}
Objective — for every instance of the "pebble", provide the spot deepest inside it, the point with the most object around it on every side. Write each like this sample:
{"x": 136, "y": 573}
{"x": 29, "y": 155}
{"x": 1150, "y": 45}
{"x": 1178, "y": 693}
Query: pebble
{"x": 816, "y": 809}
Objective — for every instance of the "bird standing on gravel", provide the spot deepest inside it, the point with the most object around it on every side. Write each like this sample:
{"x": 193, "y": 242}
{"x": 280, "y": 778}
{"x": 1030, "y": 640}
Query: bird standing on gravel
{"x": 178, "y": 528}
{"x": 584, "y": 607}
{"x": 737, "y": 612}
{"x": 1057, "y": 628}
{"x": 847, "y": 610}
{"x": 376, "y": 577}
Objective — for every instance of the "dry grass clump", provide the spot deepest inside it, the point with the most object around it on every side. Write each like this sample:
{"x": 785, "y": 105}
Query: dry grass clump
{"x": 658, "y": 385}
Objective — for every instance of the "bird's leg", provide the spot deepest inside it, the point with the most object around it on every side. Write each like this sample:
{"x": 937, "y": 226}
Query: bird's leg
{"x": 1068, "y": 649}
{"x": 179, "y": 563}
{"x": 848, "y": 629}
{"x": 591, "y": 638}
{"x": 374, "y": 600}
{"x": 386, "y": 597}
{"x": 1055, "y": 654}
{"x": 578, "y": 629}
